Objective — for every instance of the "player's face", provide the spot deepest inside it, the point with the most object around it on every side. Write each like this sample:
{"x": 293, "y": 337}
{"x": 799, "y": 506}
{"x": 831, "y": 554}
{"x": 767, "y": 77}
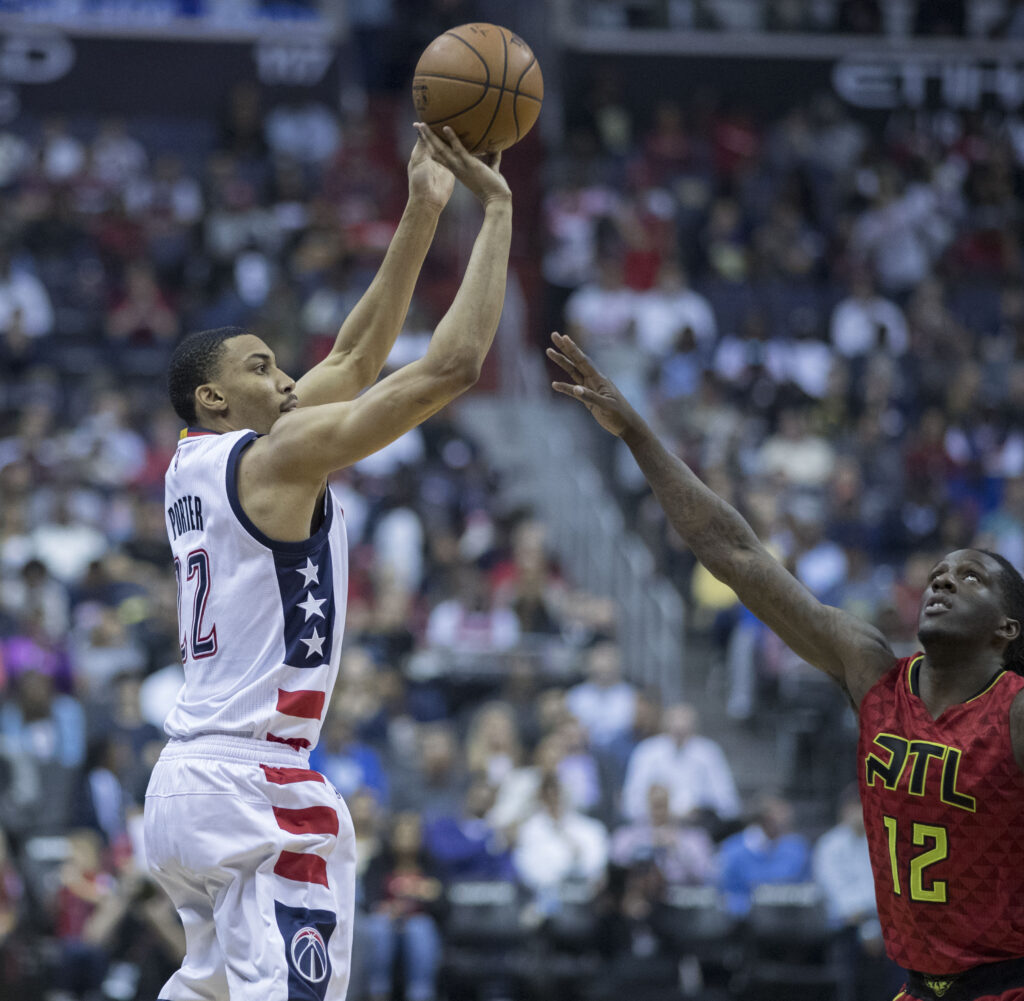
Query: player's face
{"x": 963, "y": 599}
{"x": 257, "y": 392}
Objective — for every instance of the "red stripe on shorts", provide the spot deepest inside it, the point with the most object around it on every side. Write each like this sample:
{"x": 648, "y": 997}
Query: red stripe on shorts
{"x": 307, "y": 704}
{"x": 295, "y": 743}
{"x": 302, "y": 867}
{"x": 285, "y": 776}
{"x": 309, "y": 820}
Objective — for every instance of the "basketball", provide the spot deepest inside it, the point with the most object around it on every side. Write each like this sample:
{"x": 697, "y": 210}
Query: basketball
{"x": 484, "y": 82}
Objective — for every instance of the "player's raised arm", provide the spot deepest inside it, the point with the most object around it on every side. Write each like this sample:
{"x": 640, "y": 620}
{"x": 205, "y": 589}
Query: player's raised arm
{"x": 369, "y": 331}
{"x": 312, "y": 441}
{"x": 851, "y": 651}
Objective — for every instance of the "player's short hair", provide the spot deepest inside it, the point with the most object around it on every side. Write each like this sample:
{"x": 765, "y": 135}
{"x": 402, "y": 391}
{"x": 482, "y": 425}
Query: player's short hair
{"x": 1012, "y": 585}
{"x": 193, "y": 363}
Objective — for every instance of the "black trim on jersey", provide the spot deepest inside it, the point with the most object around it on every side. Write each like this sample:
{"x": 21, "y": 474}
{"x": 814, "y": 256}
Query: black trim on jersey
{"x": 914, "y": 680}
{"x": 315, "y": 541}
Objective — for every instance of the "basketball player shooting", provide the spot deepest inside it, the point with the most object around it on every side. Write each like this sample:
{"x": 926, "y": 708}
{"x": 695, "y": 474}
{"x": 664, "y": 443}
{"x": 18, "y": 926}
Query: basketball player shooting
{"x": 256, "y": 850}
{"x": 941, "y": 747}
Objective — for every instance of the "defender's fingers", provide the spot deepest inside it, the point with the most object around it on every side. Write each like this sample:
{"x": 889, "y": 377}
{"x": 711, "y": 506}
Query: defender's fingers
{"x": 563, "y": 363}
{"x": 582, "y": 394}
{"x": 574, "y": 353}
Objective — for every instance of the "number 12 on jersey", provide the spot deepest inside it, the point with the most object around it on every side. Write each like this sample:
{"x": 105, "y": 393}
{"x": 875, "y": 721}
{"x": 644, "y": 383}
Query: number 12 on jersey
{"x": 195, "y": 640}
{"x": 923, "y": 835}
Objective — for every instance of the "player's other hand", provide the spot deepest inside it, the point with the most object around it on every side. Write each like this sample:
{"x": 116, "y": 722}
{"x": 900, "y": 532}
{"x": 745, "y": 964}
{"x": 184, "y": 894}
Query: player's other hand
{"x": 595, "y": 391}
{"x": 480, "y": 174}
{"x": 429, "y": 180}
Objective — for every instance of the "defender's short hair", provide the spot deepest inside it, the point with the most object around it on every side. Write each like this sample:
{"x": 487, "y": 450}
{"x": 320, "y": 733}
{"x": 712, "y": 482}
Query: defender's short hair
{"x": 1012, "y": 585}
{"x": 193, "y": 363}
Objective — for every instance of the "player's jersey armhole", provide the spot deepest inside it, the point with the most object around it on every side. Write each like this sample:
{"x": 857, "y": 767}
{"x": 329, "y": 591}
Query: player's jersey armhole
{"x": 314, "y": 542}
{"x": 889, "y": 679}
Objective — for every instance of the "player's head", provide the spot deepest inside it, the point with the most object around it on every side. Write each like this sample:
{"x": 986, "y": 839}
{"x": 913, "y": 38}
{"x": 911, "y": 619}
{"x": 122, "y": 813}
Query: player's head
{"x": 228, "y": 379}
{"x": 975, "y": 598}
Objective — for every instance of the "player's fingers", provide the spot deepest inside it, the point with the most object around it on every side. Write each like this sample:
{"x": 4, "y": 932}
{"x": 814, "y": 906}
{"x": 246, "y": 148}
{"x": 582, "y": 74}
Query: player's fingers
{"x": 455, "y": 142}
{"x": 438, "y": 150}
{"x": 563, "y": 363}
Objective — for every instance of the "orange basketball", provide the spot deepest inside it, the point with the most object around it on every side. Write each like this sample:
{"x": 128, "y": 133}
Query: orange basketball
{"x": 484, "y": 82}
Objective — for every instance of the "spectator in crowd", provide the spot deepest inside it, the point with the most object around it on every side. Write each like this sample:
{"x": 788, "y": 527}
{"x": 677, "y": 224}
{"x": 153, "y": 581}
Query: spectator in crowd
{"x": 692, "y": 767}
{"x": 12, "y": 892}
{"x": 865, "y": 322}
{"x": 682, "y": 854}
{"x": 766, "y": 851}
{"x": 842, "y": 868}
{"x": 465, "y": 845}
{"x": 42, "y": 723}
{"x": 35, "y": 595}
{"x": 493, "y": 747}
{"x": 468, "y": 622}
{"x": 25, "y": 304}
{"x": 348, "y": 762}
{"x": 558, "y": 846}
{"x": 404, "y": 898}
{"x": 604, "y": 703}
{"x": 142, "y": 315}
{"x": 663, "y": 312}
{"x": 434, "y": 783}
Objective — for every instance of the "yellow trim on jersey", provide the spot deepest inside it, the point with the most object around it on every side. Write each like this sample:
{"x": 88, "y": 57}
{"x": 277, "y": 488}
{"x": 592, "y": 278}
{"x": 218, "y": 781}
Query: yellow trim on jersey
{"x": 987, "y": 688}
{"x": 910, "y": 670}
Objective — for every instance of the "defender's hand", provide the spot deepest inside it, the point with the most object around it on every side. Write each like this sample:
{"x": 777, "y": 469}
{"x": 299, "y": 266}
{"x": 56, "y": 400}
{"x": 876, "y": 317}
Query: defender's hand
{"x": 429, "y": 180}
{"x": 480, "y": 174}
{"x": 595, "y": 391}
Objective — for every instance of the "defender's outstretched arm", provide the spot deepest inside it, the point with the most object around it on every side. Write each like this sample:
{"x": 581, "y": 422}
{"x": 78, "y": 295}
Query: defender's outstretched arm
{"x": 851, "y": 651}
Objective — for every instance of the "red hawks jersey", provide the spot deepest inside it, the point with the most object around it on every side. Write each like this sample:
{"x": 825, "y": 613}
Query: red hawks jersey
{"x": 944, "y": 810}
{"x": 259, "y": 621}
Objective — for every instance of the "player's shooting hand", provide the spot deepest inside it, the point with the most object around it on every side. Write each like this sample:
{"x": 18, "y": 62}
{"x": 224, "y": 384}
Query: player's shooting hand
{"x": 595, "y": 391}
{"x": 480, "y": 174}
{"x": 429, "y": 180}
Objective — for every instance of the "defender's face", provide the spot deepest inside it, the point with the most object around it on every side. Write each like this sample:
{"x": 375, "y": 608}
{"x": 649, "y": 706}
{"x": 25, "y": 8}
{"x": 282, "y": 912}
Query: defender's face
{"x": 256, "y": 392}
{"x": 963, "y": 598}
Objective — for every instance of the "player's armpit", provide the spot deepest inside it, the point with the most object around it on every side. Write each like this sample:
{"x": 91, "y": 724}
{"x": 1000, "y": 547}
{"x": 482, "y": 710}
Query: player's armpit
{"x": 851, "y": 651}
{"x": 311, "y": 442}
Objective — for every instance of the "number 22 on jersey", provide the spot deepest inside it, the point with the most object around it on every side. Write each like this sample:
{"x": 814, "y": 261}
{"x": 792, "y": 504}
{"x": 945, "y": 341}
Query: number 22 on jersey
{"x": 199, "y": 640}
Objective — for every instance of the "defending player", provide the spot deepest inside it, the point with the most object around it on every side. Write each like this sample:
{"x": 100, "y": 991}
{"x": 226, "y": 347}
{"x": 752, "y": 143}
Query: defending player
{"x": 941, "y": 750}
{"x": 256, "y": 850}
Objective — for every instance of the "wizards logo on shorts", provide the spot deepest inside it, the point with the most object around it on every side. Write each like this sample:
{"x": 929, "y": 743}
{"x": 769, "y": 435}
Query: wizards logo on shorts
{"x": 306, "y": 934}
{"x": 309, "y": 954}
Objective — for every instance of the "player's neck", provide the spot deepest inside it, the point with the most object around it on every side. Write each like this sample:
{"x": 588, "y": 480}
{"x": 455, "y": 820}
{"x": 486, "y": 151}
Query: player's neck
{"x": 952, "y": 674}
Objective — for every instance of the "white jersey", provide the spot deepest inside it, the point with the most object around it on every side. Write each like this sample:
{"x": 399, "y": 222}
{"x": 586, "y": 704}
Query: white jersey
{"x": 260, "y": 621}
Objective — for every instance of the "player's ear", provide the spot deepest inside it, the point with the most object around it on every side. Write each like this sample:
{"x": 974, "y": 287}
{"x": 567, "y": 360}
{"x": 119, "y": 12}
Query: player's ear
{"x": 1009, "y": 630}
{"x": 209, "y": 397}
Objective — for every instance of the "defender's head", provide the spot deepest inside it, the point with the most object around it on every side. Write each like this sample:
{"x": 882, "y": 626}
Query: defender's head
{"x": 975, "y": 597}
{"x": 227, "y": 379}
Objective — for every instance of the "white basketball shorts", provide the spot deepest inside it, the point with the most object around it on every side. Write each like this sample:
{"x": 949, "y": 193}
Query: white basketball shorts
{"x": 258, "y": 854}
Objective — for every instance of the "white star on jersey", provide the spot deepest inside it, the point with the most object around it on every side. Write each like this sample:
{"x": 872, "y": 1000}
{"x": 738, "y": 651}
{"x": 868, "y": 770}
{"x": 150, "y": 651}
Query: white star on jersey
{"x": 311, "y": 606}
{"x": 310, "y": 573}
{"x": 314, "y": 645}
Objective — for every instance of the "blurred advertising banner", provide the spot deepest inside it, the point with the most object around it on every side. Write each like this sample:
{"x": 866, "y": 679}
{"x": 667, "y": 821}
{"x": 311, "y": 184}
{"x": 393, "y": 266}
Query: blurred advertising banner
{"x": 872, "y": 81}
{"x": 44, "y": 70}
